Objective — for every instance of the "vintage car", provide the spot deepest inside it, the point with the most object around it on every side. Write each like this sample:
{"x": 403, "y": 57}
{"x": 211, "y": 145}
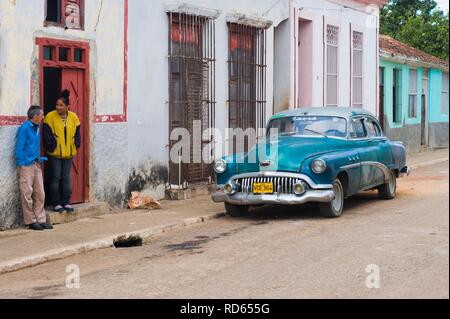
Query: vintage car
{"x": 321, "y": 155}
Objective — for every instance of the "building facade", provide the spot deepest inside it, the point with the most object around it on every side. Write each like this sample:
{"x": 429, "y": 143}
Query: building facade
{"x": 414, "y": 104}
{"x": 141, "y": 74}
{"x": 333, "y": 55}
{"x": 45, "y": 47}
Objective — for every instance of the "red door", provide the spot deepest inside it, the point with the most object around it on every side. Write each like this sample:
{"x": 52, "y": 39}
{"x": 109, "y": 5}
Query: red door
{"x": 73, "y": 80}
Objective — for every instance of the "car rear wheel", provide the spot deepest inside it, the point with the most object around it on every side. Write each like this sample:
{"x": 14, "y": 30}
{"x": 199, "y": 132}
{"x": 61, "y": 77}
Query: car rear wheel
{"x": 236, "y": 210}
{"x": 388, "y": 190}
{"x": 334, "y": 208}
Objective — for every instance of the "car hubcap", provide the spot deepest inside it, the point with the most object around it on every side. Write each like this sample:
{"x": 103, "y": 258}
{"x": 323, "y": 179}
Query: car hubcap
{"x": 337, "y": 202}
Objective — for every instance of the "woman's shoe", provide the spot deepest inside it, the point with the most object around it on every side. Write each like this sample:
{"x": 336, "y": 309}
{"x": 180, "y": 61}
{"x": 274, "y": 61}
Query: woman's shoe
{"x": 58, "y": 208}
{"x": 68, "y": 208}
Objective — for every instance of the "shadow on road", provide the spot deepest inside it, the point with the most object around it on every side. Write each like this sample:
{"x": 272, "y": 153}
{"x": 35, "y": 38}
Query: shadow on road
{"x": 309, "y": 210}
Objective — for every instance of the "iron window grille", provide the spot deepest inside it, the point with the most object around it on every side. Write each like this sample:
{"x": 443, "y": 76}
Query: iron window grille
{"x": 191, "y": 89}
{"x": 357, "y": 69}
{"x": 412, "y": 96}
{"x": 247, "y": 65}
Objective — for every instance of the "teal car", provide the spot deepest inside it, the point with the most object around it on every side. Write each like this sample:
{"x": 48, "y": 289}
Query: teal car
{"x": 321, "y": 155}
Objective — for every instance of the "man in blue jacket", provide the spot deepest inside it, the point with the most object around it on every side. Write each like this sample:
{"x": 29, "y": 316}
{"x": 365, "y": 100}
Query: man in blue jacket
{"x": 28, "y": 161}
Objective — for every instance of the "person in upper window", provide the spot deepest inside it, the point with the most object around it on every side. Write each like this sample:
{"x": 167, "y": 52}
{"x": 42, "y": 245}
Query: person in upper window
{"x": 62, "y": 138}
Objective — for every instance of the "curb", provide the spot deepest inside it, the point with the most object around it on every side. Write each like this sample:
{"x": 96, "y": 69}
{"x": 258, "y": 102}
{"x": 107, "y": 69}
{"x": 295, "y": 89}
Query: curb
{"x": 56, "y": 254}
{"x": 429, "y": 163}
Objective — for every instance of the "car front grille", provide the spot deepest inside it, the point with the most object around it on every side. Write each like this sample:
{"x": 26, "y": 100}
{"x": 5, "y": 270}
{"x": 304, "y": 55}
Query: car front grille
{"x": 281, "y": 185}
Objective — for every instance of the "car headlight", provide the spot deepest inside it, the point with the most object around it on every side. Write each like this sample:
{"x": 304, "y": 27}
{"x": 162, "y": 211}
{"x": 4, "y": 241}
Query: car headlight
{"x": 220, "y": 166}
{"x": 318, "y": 166}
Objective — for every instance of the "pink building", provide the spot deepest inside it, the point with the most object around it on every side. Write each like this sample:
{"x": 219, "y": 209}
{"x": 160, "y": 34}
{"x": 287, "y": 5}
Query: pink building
{"x": 326, "y": 54}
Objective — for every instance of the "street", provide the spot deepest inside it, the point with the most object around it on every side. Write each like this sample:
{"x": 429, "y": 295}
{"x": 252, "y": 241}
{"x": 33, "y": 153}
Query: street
{"x": 275, "y": 252}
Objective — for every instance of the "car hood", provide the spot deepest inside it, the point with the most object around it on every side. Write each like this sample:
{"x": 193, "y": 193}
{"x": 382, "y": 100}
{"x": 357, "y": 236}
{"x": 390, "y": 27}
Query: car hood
{"x": 286, "y": 153}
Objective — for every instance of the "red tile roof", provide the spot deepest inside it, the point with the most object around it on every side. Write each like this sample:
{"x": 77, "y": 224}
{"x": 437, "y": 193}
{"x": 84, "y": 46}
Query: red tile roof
{"x": 376, "y": 2}
{"x": 393, "y": 48}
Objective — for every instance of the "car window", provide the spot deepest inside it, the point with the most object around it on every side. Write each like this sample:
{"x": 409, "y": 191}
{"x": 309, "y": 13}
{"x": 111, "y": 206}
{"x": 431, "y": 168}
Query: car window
{"x": 373, "y": 129}
{"x": 309, "y": 125}
{"x": 357, "y": 129}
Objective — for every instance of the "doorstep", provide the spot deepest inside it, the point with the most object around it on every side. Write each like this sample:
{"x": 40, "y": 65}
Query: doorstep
{"x": 191, "y": 192}
{"x": 85, "y": 210}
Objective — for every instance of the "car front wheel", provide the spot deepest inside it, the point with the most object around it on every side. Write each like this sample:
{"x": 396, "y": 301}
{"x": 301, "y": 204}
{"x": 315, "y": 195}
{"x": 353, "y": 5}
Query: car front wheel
{"x": 388, "y": 190}
{"x": 334, "y": 208}
{"x": 236, "y": 210}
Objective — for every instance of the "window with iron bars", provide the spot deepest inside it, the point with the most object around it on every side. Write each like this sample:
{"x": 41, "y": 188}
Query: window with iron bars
{"x": 357, "y": 69}
{"x": 412, "y": 96}
{"x": 247, "y": 78}
{"x": 332, "y": 67}
{"x": 191, "y": 88}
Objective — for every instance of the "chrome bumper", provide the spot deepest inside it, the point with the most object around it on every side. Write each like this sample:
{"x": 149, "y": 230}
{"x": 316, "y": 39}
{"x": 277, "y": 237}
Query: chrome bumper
{"x": 322, "y": 196}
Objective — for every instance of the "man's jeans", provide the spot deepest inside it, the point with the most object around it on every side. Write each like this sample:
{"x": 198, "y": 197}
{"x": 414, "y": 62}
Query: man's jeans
{"x": 60, "y": 191}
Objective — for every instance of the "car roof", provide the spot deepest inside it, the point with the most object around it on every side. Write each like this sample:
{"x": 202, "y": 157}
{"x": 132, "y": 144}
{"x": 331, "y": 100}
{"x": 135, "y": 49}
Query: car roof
{"x": 346, "y": 112}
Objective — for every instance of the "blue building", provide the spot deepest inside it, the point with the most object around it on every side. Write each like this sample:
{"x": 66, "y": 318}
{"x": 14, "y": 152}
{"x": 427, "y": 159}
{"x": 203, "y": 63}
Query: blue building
{"x": 414, "y": 102}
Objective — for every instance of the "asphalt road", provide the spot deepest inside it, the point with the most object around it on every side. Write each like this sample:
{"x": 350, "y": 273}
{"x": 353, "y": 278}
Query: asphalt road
{"x": 276, "y": 253}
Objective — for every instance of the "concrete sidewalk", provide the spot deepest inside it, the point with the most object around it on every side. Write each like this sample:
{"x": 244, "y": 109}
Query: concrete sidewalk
{"x": 25, "y": 248}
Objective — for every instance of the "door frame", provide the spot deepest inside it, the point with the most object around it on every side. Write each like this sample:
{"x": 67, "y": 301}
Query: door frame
{"x": 55, "y": 44}
{"x": 425, "y": 92}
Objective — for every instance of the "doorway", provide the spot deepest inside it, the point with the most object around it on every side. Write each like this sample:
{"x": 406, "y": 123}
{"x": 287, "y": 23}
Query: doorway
{"x": 424, "y": 110}
{"x": 64, "y": 65}
{"x": 305, "y": 65}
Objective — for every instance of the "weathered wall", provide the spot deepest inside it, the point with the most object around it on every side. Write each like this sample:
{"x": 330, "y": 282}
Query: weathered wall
{"x": 148, "y": 116}
{"x": 410, "y": 135}
{"x": 10, "y": 210}
{"x": 439, "y": 134}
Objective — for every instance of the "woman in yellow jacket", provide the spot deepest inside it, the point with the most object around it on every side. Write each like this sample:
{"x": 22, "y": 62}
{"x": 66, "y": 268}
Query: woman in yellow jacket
{"x": 62, "y": 138}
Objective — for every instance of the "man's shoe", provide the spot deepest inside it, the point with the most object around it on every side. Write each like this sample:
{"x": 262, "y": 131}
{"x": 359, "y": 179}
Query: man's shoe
{"x": 58, "y": 209}
{"x": 68, "y": 208}
{"x": 36, "y": 226}
{"x": 46, "y": 226}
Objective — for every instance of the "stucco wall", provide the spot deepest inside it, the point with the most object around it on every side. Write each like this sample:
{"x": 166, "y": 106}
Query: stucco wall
{"x": 10, "y": 210}
{"x": 439, "y": 132}
{"x": 148, "y": 110}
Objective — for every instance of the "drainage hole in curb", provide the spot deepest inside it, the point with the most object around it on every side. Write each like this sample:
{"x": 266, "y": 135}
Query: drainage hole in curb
{"x": 127, "y": 242}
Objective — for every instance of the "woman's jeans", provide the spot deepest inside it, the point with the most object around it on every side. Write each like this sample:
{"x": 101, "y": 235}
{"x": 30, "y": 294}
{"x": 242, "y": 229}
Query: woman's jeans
{"x": 60, "y": 191}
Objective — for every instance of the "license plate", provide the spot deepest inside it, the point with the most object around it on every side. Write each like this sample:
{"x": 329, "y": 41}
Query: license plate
{"x": 263, "y": 188}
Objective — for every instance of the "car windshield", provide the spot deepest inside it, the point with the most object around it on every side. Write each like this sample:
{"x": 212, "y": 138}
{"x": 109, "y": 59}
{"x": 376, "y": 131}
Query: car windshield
{"x": 309, "y": 125}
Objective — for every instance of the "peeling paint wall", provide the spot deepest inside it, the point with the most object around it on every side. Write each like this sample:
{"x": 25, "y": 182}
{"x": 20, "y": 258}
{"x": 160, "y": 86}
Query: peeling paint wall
{"x": 10, "y": 210}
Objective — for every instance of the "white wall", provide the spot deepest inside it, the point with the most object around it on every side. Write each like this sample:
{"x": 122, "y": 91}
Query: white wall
{"x": 21, "y": 21}
{"x": 148, "y": 71}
